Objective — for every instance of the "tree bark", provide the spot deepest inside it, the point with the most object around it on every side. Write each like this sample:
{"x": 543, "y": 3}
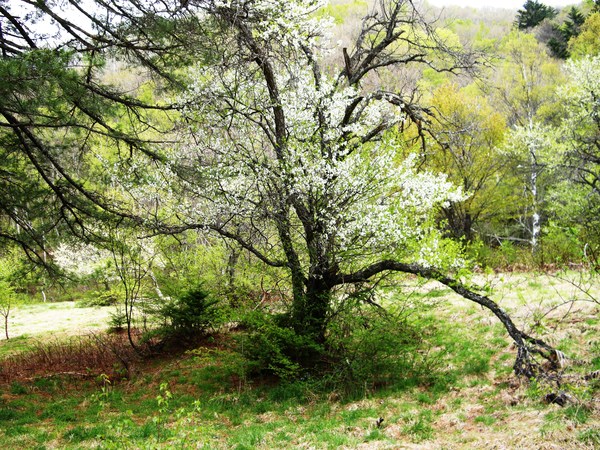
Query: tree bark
{"x": 6, "y": 326}
{"x": 309, "y": 314}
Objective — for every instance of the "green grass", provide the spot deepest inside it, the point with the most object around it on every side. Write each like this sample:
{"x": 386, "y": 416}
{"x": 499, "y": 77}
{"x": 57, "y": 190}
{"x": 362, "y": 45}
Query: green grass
{"x": 467, "y": 369}
{"x": 487, "y": 420}
{"x": 14, "y": 345}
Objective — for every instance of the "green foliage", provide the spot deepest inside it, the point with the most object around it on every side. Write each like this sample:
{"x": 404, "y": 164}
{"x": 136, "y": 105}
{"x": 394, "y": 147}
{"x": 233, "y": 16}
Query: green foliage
{"x": 503, "y": 256}
{"x": 80, "y": 433}
{"x": 533, "y": 13}
{"x": 590, "y": 436}
{"x": 118, "y": 319}
{"x": 567, "y": 31}
{"x": 487, "y": 420}
{"x": 341, "y": 12}
{"x": 374, "y": 348}
{"x": 8, "y": 297}
{"x": 192, "y": 313}
{"x": 419, "y": 425}
{"x": 469, "y": 133}
{"x": 526, "y": 79}
{"x": 588, "y": 40}
{"x": 579, "y": 414}
{"x": 271, "y": 346}
{"x": 231, "y": 274}
{"x": 101, "y": 298}
{"x": 561, "y": 245}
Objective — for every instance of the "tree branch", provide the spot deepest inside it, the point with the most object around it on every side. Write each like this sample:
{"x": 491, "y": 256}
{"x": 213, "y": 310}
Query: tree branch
{"x": 524, "y": 364}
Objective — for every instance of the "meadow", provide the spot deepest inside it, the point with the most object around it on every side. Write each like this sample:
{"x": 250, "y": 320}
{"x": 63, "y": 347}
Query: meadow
{"x": 66, "y": 383}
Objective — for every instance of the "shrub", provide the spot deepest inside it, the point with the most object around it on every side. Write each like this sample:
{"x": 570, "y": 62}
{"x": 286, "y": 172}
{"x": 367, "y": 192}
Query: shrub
{"x": 373, "y": 347}
{"x": 192, "y": 313}
{"x": 105, "y": 298}
{"x": 561, "y": 245}
{"x": 365, "y": 348}
{"x": 273, "y": 347}
{"x": 118, "y": 320}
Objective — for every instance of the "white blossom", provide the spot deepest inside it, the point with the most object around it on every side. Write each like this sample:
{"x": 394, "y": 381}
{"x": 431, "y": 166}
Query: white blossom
{"x": 80, "y": 259}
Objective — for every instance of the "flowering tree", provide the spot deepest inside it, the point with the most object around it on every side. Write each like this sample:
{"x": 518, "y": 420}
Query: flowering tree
{"x": 580, "y": 132}
{"x": 300, "y": 163}
{"x": 582, "y": 124}
{"x": 294, "y": 163}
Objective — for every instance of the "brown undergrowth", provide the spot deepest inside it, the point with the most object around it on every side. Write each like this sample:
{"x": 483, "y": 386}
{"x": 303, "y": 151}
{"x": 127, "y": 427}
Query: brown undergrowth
{"x": 86, "y": 356}
{"x": 89, "y": 356}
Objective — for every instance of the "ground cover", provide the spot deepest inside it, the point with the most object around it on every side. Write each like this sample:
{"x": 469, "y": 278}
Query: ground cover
{"x": 203, "y": 399}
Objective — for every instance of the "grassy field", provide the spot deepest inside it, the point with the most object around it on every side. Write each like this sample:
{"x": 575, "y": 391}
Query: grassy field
{"x": 203, "y": 399}
{"x": 30, "y": 323}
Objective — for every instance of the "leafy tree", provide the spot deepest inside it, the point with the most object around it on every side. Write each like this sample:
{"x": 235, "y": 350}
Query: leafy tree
{"x": 55, "y": 113}
{"x": 588, "y": 40}
{"x": 569, "y": 29}
{"x": 6, "y": 302}
{"x": 319, "y": 171}
{"x": 533, "y": 13}
{"x": 526, "y": 83}
{"x": 338, "y": 207}
{"x": 572, "y": 25}
{"x": 534, "y": 150}
{"x": 468, "y": 136}
{"x": 8, "y": 297}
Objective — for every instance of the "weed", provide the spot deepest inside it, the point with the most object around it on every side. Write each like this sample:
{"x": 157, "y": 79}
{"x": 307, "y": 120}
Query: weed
{"x": 103, "y": 397}
{"x": 419, "y": 426}
{"x": 250, "y": 438}
{"x": 17, "y": 388}
{"x": 590, "y": 436}
{"x": 163, "y": 401}
{"x": 476, "y": 365}
{"x": 16, "y": 430}
{"x": 81, "y": 433}
{"x": 486, "y": 420}
{"x": 425, "y": 398}
{"x": 577, "y": 413}
{"x": 60, "y": 411}
{"x": 7, "y": 414}
{"x": 374, "y": 435}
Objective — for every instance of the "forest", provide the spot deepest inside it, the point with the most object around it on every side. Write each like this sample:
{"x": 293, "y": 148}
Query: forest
{"x": 299, "y": 224}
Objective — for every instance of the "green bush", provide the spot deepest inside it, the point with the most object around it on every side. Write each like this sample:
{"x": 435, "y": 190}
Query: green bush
{"x": 375, "y": 347}
{"x": 561, "y": 245}
{"x": 365, "y": 348}
{"x": 502, "y": 256}
{"x": 273, "y": 347}
{"x": 118, "y": 320}
{"x": 192, "y": 313}
{"x": 105, "y": 298}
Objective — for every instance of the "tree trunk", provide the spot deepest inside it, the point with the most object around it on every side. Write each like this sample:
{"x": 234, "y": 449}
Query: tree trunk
{"x": 232, "y": 260}
{"x": 309, "y": 313}
{"x": 524, "y": 364}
